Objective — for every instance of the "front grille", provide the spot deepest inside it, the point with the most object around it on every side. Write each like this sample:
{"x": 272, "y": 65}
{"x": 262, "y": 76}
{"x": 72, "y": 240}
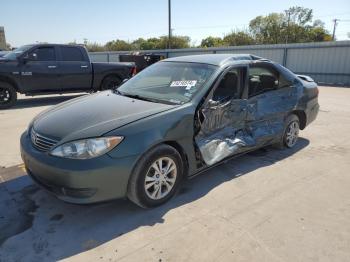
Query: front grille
{"x": 41, "y": 142}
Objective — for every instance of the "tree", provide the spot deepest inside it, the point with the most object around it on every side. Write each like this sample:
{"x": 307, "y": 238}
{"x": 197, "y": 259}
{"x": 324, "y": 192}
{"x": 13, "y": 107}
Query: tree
{"x": 293, "y": 26}
{"x": 118, "y": 45}
{"x": 238, "y": 38}
{"x": 95, "y": 47}
{"x": 176, "y": 41}
{"x": 211, "y": 41}
{"x": 268, "y": 29}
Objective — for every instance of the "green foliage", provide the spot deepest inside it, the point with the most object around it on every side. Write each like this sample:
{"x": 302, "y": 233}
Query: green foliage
{"x": 94, "y": 47}
{"x": 118, "y": 45}
{"x": 211, "y": 41}
{"x": 294, "y": 25}
{"x": 238, "y": 38}
{"x": 140, "y": 44}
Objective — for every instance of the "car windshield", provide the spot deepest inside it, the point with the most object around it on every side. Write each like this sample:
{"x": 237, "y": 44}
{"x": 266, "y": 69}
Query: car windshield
{"x": 17, "y": 52}
{"x": 168, "y": 82}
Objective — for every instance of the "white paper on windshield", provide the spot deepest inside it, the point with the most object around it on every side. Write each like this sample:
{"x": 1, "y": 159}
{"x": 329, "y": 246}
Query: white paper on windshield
{"x": 188, "y": 84}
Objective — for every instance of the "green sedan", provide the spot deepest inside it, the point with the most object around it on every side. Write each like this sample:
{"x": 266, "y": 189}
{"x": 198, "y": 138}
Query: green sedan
{"x": 172, "y": 121}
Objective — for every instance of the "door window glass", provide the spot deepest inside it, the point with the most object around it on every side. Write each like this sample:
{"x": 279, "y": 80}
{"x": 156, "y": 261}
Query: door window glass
{"x": 262, "y": 79}
{"x": 71, "y": 54}
{"x": 229, "y": 87}
{"x": 43, "y": 54}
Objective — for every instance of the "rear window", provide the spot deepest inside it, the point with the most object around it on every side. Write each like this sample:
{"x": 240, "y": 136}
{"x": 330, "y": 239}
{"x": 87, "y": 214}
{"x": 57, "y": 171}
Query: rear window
{"x": 71, "y": 54}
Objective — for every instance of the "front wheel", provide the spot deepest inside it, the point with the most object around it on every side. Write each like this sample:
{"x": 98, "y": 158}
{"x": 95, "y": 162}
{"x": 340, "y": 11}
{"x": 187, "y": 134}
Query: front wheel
{"x": 8, "y": 95}
{"x": 156, "y": 177}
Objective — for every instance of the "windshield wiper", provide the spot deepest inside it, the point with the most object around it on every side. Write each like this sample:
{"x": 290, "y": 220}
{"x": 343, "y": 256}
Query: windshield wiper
{"x": 154, "y": 100}
{"x": 139, "y": 97}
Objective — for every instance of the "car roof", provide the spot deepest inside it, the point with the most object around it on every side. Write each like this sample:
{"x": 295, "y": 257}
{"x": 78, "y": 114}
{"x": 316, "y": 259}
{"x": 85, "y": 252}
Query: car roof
{"x": 53, "y": 44}
{"x": 214, "y": 59}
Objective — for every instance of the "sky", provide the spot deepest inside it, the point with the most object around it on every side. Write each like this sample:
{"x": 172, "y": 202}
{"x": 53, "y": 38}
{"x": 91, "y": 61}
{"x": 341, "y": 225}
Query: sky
{"x": 63, "y": 21}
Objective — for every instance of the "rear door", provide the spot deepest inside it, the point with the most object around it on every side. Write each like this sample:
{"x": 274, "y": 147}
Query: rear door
{"x": 270, "y": 98}
{"x": 75, "y": 69}
{"x": 222, "y": 118}
{"x": 40, "y": 71}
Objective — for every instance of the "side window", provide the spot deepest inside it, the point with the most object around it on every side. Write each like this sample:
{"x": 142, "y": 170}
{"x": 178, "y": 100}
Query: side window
{"x": 71, "y": 54}
{"x": 43, "y": 54}
{"x": 262, "y": 79}
{"x": 229, "y": 87}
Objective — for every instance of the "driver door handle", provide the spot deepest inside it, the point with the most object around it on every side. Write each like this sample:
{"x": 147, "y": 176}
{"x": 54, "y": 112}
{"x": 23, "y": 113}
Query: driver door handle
{"x": 51, "y": 66}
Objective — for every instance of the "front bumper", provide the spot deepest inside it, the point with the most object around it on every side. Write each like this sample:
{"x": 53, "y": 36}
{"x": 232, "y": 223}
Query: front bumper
{"x": 78, "y": 181}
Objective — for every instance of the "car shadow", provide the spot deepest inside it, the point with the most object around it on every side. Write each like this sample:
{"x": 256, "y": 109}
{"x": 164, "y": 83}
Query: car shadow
{"x": 72, "y": 229}
{"x": 43, "y": 101}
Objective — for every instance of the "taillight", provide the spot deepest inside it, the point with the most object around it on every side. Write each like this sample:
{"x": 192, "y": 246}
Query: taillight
{"x": 133, "y": 71}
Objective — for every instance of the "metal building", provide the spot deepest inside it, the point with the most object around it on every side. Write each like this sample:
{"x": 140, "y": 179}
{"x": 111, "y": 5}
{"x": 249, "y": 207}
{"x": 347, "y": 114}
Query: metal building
{"x": 2, "y": 38}
{"x": 327, "y": 62}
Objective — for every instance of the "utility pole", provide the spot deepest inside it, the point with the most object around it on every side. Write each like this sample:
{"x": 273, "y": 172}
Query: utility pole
{"x": 334, "y": 27}
{"x": 287, "y": 33}
{"x": 169, "y": 15}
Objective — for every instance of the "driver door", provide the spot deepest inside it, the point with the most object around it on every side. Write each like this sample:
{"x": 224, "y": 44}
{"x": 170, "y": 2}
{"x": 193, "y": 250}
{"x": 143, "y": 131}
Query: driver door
{"x": 222, "y": 118}
{"x": 40, "y": 72}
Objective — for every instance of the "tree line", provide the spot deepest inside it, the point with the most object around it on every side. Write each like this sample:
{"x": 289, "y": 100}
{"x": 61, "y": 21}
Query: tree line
{"x": 295, "y": 25}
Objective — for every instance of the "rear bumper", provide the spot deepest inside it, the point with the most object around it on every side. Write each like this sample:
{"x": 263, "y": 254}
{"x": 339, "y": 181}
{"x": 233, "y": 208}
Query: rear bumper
{"x": 311, "y": 111}
{"x": 78, "y": 181}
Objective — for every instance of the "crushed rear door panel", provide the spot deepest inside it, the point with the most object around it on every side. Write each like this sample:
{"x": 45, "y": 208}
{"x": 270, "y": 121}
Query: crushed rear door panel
{"x": 266, "y": 114}
{"x": 240, "y": 125}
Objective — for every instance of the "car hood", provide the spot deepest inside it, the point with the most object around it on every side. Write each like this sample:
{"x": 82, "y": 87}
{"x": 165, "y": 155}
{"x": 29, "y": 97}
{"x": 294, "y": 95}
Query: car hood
{"x": 93, "y": 115}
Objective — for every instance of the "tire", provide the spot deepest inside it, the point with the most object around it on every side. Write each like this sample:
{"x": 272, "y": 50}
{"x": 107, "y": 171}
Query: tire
{"x": 143, "y": 182}
{"x": 291, "y": 132}
{"x": 8, "y": 95}
{"x": 110, "y": 82}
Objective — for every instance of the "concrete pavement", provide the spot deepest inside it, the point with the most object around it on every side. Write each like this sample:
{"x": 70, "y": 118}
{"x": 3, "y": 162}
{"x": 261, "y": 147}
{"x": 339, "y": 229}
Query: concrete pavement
{"x": 270, "y": 205}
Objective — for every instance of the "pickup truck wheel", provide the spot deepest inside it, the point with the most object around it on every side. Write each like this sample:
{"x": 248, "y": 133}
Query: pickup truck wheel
{"x": 8, "y": 95}
{"x": 156, "y": 177}
{"x": 110, "y": 82}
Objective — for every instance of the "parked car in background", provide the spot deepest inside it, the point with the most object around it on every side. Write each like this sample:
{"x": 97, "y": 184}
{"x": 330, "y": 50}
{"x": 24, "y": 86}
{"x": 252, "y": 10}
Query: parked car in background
{"x": 141, "y": 60}
{"x": 171, "y": 121}
{"x": 2, "y": 53}
{"x": 51, "y": 68}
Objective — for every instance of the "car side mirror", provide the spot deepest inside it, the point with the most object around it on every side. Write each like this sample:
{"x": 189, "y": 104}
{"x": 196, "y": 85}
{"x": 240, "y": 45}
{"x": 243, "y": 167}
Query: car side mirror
{"x": 125, "y": 80}
{"x": 23, "y": 59}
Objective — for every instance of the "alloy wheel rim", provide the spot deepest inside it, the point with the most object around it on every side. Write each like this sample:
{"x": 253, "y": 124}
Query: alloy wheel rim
{"x": 4, "y": 95}
{"x": 292, "y": 134}
{"x": 160, "y": 178}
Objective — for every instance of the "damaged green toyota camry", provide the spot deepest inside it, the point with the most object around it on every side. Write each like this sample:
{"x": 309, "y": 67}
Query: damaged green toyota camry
{"x": 171, "y": 121}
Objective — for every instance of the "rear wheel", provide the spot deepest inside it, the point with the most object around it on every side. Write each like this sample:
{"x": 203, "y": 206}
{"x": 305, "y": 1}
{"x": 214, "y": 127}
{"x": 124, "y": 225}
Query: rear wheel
{"x": 110, "y": 82}
{"x": 291, "y": 132}
{"x": 156, "y": 177}
{"x": 8, "y": 95}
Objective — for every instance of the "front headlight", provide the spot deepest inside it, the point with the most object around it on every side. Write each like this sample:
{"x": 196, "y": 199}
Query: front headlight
{"x": 87, "y": 148}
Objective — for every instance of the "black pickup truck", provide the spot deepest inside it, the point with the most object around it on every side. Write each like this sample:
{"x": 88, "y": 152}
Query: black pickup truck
{"x": 52, "y": 68}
